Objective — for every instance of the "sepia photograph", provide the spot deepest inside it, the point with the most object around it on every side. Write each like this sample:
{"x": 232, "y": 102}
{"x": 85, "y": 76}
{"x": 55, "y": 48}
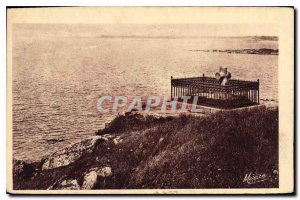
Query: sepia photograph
{"x": 137, "y": 100}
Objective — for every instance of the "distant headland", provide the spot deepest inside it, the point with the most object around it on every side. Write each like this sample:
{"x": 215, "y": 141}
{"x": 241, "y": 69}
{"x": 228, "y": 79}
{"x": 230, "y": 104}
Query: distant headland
{"x": 262, "y": 51}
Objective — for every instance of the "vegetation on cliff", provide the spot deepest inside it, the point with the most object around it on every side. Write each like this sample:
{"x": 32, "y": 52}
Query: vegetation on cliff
{"x": 221, "y": 150}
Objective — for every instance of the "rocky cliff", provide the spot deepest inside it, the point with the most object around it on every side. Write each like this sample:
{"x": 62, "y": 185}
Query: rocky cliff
{"x": 213, "y": 151}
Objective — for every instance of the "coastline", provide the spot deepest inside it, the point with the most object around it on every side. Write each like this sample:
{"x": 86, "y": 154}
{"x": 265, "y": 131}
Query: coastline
{"x": 262, "y": 51}
{"x": 127, "y": 153}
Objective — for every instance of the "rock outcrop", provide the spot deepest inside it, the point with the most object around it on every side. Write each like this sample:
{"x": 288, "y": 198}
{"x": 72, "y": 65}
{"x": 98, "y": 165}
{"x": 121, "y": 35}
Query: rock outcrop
{"x": 105, "y": 172}
{"x": 90, "y": 178}
{"x": 70, "y": 154}
{"x": 117, "y": 140}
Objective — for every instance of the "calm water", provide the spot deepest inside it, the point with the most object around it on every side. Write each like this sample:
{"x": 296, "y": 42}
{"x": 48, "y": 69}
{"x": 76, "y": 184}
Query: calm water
{"x": 57, "y": 80}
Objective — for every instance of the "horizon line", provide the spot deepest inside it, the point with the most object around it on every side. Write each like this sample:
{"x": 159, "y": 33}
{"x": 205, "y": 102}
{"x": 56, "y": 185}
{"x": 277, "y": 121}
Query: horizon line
{"x": 261, "y": 37}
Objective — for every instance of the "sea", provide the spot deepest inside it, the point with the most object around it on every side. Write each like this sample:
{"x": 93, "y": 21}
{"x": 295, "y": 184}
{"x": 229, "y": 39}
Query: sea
{"x": 58, "y": 77}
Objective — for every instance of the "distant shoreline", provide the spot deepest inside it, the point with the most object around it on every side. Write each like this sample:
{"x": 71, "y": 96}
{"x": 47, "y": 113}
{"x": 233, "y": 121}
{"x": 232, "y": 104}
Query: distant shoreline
{"x": 254, "y": 38}
{"x": 263, "y": 51}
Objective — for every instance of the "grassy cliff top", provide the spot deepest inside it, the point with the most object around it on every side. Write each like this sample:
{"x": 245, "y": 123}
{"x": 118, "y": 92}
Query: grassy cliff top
{"x": 214, "y": 151}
